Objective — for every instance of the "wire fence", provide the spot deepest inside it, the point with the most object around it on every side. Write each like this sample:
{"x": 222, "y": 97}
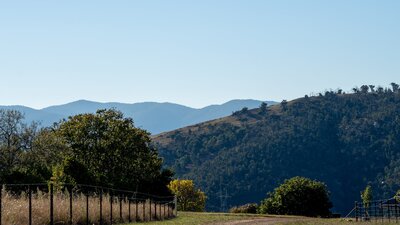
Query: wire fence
{"x": 379, "y": 211}
{"x": 78, "y": 204}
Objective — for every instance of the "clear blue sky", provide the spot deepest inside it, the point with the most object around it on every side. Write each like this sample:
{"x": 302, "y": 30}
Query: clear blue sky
{"x": 193, "y": 52}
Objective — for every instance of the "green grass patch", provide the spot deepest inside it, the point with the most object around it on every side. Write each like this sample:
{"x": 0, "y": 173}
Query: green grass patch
{"x": 195, "y": 218}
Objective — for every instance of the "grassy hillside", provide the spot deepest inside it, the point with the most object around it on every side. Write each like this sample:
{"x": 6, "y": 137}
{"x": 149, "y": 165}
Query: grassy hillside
{"x": 344, "y": 140}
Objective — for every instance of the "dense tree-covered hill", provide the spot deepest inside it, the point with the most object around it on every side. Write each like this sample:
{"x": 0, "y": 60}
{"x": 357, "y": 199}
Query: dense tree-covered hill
{"x": 344, "y": 140}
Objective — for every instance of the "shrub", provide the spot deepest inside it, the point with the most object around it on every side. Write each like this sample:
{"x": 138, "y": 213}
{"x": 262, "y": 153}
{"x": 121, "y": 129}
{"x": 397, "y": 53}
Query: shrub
{"x": 247, "y": 208}
{"x": 189, "y": 199}
{"x": 298, "y": 196}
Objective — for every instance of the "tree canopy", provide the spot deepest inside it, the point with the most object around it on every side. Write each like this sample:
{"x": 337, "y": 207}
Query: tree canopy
{"x": 110, "y": 149}
{"x": 189, "y": 198}
{"x": 298, "y": 196}
{"x": 104, "y": 149}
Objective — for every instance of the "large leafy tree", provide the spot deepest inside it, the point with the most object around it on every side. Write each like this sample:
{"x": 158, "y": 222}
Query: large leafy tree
{"x": 298, "y": 196}
{"x": 17, "y": 143}
{"x": 107, "y": 149}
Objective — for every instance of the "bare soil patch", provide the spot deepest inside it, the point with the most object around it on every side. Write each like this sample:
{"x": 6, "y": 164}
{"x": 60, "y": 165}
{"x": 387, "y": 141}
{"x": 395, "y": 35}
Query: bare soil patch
{"x": 259, "y": 221}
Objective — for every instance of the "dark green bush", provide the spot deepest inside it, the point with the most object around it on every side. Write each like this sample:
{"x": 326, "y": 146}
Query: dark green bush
{"x": 298, "y": 196}
{"x": 247, "y": 208}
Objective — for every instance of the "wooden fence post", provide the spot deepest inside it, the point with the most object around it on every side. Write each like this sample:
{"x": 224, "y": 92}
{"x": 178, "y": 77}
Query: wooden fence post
{"x": 120, "y": 208}
{"x": 111, "y": 209}
{"x": 30, "y": 204}
{"x": 129, "y": 210}
{"x": 70, "y": 206}
{"x": 176, "y": 206}
{"x": 101, "y": 207}
{"x": 356, "y": 212}
{"x": 51, "y": 205}
{"x": 87, "y": 208}
{"x": 1, "y": 193}
{"x": 150, "y": 208}
{"x": 137, "y": 210}
{"x": 144, "y": 210}
{"x": 155, "y": 210}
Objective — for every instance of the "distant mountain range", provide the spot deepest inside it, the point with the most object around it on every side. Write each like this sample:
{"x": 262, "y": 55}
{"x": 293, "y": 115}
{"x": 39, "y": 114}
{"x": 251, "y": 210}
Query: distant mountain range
{"x": 152, "y": 116}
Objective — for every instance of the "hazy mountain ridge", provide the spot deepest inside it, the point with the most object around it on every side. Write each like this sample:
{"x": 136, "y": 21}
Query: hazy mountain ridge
{"x": 152, "y": 116}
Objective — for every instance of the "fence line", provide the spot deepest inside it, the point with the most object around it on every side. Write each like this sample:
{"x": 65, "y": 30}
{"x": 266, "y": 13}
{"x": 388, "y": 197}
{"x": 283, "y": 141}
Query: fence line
{"x": 380, "y": 211}
{"x": 14, "y": 198}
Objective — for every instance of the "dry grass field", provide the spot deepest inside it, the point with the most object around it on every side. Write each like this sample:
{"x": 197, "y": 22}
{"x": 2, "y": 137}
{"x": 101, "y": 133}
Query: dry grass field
{"x": 15, "y": 209}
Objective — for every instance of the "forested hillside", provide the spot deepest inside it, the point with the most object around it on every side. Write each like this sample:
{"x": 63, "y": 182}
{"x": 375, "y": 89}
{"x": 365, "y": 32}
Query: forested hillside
{"x": 344, "y": 140}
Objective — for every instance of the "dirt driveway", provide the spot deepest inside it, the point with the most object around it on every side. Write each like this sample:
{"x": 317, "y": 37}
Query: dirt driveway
{"x": 258, "y": 221}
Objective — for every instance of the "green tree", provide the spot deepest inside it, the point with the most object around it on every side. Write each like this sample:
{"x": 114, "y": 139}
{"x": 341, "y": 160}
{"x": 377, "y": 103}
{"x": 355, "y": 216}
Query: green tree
{"x": 366, "y": 196}
{"x": 364, "y": 88}
{"x": 397, "y": 196}
{"x": 107, "y": 149}
{"x": 189, "y": 198}
{"x": 16, "y": 141}
{"x": 372, "y": 88}
{"x": 395, "y": 87}
{"x": 284, "y": 106}
{"x": 263, "y": 108}
{"x": 298, "y": 196}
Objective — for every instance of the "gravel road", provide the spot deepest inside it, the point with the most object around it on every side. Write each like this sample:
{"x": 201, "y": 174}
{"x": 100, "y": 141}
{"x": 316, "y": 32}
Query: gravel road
{"x": 258, "y": 221}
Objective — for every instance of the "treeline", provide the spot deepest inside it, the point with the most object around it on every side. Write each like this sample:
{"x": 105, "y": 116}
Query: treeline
{"x": 344, "y": 140}
{"x": 103, "y": 149}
